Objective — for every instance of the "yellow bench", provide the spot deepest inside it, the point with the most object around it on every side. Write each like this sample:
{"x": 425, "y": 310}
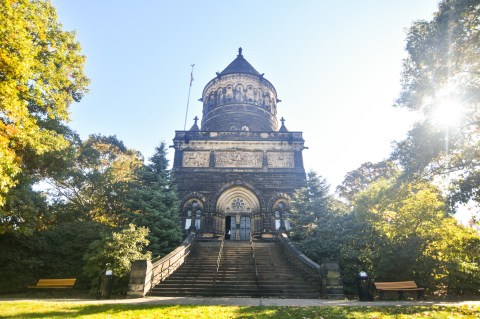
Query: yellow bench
{"x": 55, "y": 283}
{"x": 400, "y": 287}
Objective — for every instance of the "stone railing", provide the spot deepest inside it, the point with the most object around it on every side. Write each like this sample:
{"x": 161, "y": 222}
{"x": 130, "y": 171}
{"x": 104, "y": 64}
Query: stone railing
{"x": 146, "y": 274}
{"x": 328, "y": 274}
{"x": 240, "y": 135}
{"x": 297, "y": 258}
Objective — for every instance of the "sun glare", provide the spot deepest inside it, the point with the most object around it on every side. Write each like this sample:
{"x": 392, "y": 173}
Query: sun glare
{"x": 447, "y": 112}
{"x": 447, "y": 105}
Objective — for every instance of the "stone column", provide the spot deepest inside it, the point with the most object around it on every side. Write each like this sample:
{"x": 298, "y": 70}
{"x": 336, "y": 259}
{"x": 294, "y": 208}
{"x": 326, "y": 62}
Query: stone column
{"x": 140, "y": 278}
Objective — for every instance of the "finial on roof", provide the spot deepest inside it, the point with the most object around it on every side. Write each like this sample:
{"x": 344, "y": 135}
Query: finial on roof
{"x": 283, "y": 128}
{"x": 195, "y": 126}
{"x": 240, "y": 51}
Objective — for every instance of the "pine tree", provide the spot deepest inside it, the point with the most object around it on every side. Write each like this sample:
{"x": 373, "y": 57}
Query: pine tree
{"x": 156, "y": 205}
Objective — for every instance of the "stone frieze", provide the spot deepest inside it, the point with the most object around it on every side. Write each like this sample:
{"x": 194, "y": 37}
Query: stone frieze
{"x": 280, "y": 160}
{"x": 238, "y": 159}
{"x": 196, "y": 159}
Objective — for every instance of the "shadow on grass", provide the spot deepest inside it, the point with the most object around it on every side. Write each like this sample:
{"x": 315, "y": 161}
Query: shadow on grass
{"x": 223, "y": 312}
{"x": 357, "y": 312}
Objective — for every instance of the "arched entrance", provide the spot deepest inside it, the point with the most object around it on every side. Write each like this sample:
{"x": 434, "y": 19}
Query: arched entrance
{"x": 237, "y": 207}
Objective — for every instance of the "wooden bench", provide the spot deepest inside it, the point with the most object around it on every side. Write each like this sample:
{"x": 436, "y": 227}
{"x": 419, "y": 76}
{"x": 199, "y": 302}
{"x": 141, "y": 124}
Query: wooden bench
{"x": 400, "y": 287}
{"x": 54, "y": 283}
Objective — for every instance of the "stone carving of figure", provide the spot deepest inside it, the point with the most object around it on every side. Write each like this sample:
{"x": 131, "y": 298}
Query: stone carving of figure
{"x": 257, "y": 95}
{"x": 266, "y": 101}
{"x": 212, "y": 100}
{"x": 218, "y": 94}
{"x": 239, "y": 93}
{"x": 249, "y": 94}
{"x": 229, "y": 94}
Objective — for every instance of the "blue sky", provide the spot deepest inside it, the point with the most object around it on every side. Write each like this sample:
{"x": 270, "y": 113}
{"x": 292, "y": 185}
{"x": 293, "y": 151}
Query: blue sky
{"x": 335, "y": 64}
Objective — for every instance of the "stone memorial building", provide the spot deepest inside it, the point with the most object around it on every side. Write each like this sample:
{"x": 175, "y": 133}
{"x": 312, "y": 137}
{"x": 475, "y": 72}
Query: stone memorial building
{"x": 236, "y": 172}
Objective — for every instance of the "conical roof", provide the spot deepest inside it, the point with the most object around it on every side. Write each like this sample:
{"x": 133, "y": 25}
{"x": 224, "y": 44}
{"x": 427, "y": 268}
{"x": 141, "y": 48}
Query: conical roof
{"x": 240, "y": 65}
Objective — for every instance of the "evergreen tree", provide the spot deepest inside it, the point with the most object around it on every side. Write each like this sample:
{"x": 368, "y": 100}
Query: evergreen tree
{"x": 311, "y": 202}
{"x": 155, "y": 205}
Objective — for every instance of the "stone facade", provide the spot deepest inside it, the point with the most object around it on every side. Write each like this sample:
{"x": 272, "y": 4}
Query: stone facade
{"x": 236, "y": 175}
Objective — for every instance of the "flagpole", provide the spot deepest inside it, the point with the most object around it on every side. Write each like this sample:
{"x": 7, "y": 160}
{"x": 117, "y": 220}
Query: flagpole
{"x": 188, "y": 99}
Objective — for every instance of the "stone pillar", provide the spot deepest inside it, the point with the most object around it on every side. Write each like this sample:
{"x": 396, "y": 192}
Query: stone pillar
{"x": 140, "y": 278}
{"x": 331, "y": 281}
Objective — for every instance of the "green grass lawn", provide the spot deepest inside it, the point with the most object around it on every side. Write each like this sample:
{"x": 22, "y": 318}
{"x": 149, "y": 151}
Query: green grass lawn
{"x": 39, "y": 309}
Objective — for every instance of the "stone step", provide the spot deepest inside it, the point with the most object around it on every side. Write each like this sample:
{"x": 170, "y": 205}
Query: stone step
{"x": 236, "y": 274}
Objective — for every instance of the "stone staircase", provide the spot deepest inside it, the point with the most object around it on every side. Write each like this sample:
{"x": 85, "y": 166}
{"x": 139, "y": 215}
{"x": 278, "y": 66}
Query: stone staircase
{"x": 236, "y": 275}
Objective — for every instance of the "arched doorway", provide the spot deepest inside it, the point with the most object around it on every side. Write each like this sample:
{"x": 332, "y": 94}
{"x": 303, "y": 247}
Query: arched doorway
{"x": 237, "y": 207}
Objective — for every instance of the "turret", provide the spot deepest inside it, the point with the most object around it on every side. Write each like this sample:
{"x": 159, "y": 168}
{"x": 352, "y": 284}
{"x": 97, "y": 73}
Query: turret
{"x": 239, "y": 99}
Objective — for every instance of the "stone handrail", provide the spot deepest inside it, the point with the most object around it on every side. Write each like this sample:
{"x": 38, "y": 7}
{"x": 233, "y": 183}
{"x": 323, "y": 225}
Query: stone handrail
{"x": 328, "y": 274}
{"x": 254, "y": 259}
{"x": 219, "y": 258}
{"x": 146, "y": 274}
{"x": 296, "y": 257}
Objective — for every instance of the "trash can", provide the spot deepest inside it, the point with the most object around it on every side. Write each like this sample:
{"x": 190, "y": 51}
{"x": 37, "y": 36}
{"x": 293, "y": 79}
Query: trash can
{"x": 105, "y": 285}
{"x": 364, "y": 289}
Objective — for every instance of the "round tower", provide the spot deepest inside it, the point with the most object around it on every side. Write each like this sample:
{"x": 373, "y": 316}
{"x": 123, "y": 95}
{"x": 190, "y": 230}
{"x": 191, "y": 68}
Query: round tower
{"x": 239, "y": 99}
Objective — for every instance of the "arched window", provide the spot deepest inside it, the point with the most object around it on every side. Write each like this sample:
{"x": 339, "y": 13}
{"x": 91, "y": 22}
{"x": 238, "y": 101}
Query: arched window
{"x": 281, "y": 215}
{"x": 193, "y": 214}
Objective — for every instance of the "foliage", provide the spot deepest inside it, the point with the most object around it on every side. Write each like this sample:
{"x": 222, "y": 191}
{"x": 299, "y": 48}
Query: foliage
{"x": 434, "y": 249}
{"x": 310, "y": 204}
{"x": 56, "y": 188}
{"x": 359, "y": 179}
{"x": 35, "y": 309}
{"x": 391, "y": 221}
{"x": 98, "y": 179}
{"x": 24, "y": 210}
{"x": 41, "y": 74}
{"x": 97, "y": 188}
{"x": 441, "y": 79}
{"x": 325, "y": 230}
{"x": 55, "y": 252}
{"x": 116, "y": 251}
{"x": 154, "y": 203}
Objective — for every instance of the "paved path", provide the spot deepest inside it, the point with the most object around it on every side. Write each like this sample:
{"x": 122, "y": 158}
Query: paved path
{"x": 249, "y": 302}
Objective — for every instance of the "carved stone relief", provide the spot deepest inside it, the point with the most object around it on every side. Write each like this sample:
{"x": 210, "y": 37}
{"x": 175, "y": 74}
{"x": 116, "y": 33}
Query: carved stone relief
{"x": 280, "y": 160}
{"x": 196, "y": 159}
{"x": 238, "y": 159}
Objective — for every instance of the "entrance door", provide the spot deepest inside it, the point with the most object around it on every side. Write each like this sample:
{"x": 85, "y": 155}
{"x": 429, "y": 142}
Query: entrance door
{"x": 244, "y": 228}
{"x": 228, "y": 225}
{"x": 233, "y": 228}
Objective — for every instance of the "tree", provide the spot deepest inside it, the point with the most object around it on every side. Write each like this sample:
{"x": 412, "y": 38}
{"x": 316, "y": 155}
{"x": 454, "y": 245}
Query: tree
{"x": 116, "y": 251}
{"x": 154, "y": 203}
{"x": 310, "y": 204}
{"x": 441, "y": 79}
{"x": 101, "y": 175}
{"x": 326, "y": 230}
{"x": 416, "y": 229}
{"x": 359, "y": 179}
{"x": 41, "y": 74}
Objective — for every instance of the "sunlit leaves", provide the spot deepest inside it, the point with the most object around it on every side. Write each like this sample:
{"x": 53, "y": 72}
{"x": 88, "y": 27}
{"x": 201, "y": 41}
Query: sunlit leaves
{"x": 117, "y": 251}
{"x": 441, "y": 79}
{"x": 41, "y": 74}
{"x": 432, "y": 246}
